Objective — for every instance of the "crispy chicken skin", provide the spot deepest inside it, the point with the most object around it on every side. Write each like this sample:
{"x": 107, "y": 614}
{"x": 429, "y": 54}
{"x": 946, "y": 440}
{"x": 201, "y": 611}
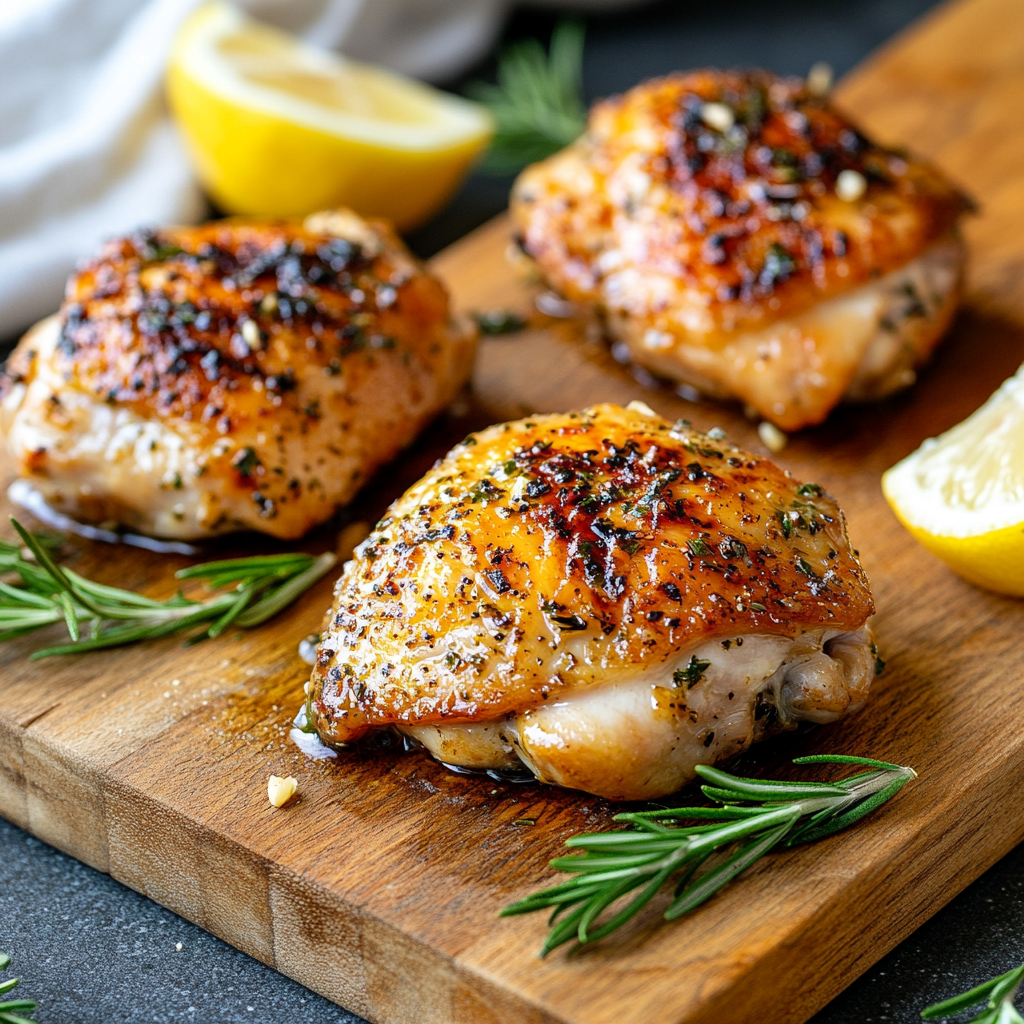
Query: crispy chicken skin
{"x": 237, "y": 375}
{"x": 703, "y": 217}
{"x": 600, "y": 596}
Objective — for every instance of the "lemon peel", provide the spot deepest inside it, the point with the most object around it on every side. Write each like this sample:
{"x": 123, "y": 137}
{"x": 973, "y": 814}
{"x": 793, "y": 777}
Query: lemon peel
{"x": 961, "y": 494}
{"x": 279, "y": 128}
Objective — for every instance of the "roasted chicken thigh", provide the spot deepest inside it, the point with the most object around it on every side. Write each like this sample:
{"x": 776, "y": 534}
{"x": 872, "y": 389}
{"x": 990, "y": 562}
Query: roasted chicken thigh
{"x": 602, "y": 597}
{"x": 738, "y": 233}
{"x": 238, "y": 375}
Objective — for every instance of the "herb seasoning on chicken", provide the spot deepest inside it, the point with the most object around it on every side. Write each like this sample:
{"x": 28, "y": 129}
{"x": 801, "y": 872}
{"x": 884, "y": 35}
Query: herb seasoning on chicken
{"x": 602, "y": 597}
{"x": 239, "y": 375}
{"x": 738, "y": 233}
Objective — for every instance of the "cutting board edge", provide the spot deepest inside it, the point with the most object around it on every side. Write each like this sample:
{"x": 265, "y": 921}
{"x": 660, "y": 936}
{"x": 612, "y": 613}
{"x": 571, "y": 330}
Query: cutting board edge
{"x": 180, "y": 846}
{"x": 109, "y": 808}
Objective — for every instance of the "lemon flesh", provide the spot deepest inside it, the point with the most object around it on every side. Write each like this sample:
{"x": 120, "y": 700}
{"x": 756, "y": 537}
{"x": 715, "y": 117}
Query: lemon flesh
{"x": 962, "y": 494}
{"x": 278, "y": 128}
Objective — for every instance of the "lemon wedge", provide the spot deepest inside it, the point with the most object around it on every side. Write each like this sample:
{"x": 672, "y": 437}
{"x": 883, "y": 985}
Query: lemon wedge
{"x": 275, "y": 127}
{"x": 962, "y": 494}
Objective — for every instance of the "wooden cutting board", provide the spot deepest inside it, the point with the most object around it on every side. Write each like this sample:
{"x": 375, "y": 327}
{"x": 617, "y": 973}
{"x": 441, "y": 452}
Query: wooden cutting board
{"x": 380, "y": 887}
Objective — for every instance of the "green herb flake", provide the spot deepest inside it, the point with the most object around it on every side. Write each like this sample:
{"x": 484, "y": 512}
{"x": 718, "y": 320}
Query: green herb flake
{"x": 537, "y": 105}
{"x": 786, "y": 523}
{"x": 879, "y": 663}
{"x": 484, "y": 490}
{"x": 499, "y": 321}
{"x": 810, "y": 490}
{"x": 778, "y": 266}
{"x": 246, "y": 461}
{"x": 692, "y": 674}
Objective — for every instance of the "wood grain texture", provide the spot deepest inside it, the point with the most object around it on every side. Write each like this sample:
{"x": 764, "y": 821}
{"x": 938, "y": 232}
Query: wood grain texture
{"x": 380, "y": 886}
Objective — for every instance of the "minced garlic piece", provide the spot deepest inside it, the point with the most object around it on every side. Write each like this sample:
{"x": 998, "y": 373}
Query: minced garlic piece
{"x": 771, "y": 437}
{"x": 719, "y": 116}
{"x": 851, "y": 185}
{"x": 819, "y": 79}
{"x": 280, "y": 791}
{"x": 641, "y": 407}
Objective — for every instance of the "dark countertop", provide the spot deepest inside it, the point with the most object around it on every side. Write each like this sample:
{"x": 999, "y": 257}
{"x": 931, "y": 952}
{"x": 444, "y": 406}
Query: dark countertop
{"x": 90, "y": 950}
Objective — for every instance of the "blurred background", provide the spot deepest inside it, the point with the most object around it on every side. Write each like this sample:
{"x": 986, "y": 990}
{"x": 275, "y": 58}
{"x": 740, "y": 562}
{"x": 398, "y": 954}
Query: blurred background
{"x": 624, "y": 47}
{"x": 87, "y": 149}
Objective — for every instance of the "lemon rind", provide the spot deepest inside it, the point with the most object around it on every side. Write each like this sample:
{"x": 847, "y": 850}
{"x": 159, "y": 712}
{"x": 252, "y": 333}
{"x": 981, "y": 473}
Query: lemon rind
{"x": 920, "y": 505}
{"x": 456, "y": 122}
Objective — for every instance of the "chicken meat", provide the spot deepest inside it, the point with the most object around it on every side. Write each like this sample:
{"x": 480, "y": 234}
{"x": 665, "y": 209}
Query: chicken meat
{"x": 736, "y": 232}
{"x": 601, "y": 597}
{"x": 238, "y": 375}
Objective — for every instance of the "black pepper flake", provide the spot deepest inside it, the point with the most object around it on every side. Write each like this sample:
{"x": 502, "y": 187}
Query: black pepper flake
{"x": 731, "y": 548}
{"x": 498, "y": 581}
{"x": 569, "y": 623}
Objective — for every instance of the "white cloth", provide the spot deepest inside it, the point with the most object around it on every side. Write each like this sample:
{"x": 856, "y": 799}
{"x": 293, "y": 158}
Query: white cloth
{"x": 86, "y": 146}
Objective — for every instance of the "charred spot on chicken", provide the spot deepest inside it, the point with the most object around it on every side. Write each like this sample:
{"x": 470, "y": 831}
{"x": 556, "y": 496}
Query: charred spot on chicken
{"x": 602, "y": 596}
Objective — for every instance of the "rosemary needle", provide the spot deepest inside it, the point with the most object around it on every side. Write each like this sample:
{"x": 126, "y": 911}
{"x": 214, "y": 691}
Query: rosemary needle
{"x": 12, "y": 1011}
{"x": 998, "y": 996}
{"x": 754, "y": 818}
{"x": 537, "y": 104}
{"x": 39, "y": 593}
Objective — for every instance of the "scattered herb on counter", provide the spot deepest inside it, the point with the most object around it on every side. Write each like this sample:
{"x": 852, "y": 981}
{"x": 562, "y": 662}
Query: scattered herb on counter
{"x": 499, "y": 321}
{"x": 538, "y": 103}
{"x": 12, "y": 1011}
{"x": 997, "y": 994}
{"x": 99, "y": 616}
{"x": 755, "y": 818}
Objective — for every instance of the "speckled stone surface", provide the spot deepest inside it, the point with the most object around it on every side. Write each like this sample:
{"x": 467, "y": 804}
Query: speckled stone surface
{"x": 91, "y": 951}
{"x": 88, "y": 950}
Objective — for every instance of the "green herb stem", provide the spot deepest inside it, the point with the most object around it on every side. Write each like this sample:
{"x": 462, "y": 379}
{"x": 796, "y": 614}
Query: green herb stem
{"x": 537, "y": 104}
{"x": 12, "y": 1010}
{"x": 610, "y": 865}
{"x": 998, "y": 995}
{"x": 98, "y": 616}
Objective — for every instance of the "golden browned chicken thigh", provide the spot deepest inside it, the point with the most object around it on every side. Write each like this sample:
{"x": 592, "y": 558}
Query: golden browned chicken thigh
{"x": 736, "y": 232}
{"x": 602, "y": 597}
{"x": 237, "y": 375}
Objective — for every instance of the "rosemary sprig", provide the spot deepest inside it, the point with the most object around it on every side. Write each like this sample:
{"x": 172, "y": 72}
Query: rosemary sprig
{"x": 997, "y": 994}
{"x": 12, "y": 1010}
{"x": 754, "y": 818}
{"x": 98, "y": 616}
{"x": 538, "y": 102}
